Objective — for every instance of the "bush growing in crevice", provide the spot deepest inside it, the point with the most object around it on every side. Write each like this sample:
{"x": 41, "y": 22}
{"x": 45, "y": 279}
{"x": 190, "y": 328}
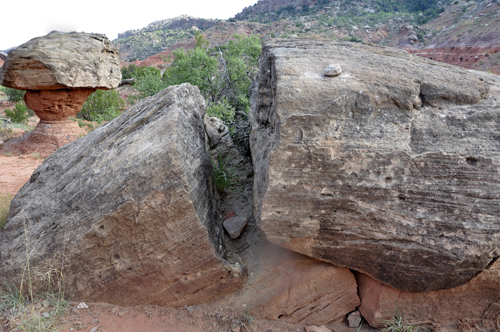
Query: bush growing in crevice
{"x": 223, "y": 74}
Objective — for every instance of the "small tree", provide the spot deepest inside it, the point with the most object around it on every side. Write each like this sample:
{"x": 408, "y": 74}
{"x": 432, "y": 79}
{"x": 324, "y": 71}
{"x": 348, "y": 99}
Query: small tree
{"x": 102, "y": 106}
{"x": 14, "y": 94}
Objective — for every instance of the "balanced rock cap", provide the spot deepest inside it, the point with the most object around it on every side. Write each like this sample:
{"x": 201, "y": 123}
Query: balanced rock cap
{"x": 61, "y": 61}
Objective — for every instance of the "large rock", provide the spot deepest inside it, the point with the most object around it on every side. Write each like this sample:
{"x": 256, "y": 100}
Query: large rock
{"x": 129, "y": 211}
{"x": 63, "y": 60}
{"x": 306, "y": 292}
{"x": 390, "y": 169}
{"x": 478, "y": 300}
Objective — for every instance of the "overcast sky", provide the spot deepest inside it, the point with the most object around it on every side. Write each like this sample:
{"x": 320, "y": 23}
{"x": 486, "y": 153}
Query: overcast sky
{"x": 24, "y": 20}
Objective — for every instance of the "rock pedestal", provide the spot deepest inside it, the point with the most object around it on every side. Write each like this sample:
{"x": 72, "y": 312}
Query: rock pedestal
{"x": 59, "y": 71}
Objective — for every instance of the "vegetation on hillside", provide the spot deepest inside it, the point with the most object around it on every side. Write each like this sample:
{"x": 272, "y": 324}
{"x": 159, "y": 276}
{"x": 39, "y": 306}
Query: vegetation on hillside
{"x": 158, "y": 36}
{"x": 337, "y": 12}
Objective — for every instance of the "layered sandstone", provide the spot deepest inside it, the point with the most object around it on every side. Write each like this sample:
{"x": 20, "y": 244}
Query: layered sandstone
{"x": 129, "y": 212}
{"x": 60, "y": 60}
{"x": 477, "y": 300}
{"x": 390, "y": 172}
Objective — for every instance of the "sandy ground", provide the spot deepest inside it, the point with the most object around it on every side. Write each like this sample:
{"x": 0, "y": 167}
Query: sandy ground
{"x": 203, "y": 318}
{"x": 16, "y": 171}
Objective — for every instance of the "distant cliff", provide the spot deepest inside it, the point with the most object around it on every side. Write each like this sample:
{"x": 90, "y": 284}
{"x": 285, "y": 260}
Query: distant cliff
{"x": 266, "y": 6}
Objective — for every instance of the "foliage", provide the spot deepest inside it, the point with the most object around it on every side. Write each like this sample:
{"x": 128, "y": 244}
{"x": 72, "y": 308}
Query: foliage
{"x": 201, "y": 42}
{"x": 148, "y": 84}
{"x": 102, "y": 106}
{"x": 21, "y": 308}
{"x": 132, "y": 71}
{"x": 20, "y": 114}
{"x": 223, "y": 176}
{"x": 5, "y": 200}
{"x": 221, "y": 109}
{"x": 14, "y": 94}
{"x": 223, "y": 74}
{"x": 156, "y": 37}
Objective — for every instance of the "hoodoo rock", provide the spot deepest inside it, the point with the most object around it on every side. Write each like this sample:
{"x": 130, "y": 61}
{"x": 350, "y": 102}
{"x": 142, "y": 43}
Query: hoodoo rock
{"x": 128, "y": 212}
{"x": 390, "y": 168}
{"x": 59, "y": 71}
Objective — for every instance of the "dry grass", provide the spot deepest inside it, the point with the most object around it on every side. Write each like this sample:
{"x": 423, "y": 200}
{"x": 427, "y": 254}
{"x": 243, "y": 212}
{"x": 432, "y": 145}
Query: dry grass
{"x": 5, "y": 200}
{"x": 479, "y": 325}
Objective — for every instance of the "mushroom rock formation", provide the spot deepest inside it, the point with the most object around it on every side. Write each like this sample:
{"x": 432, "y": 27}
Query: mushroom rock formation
{"x": 59, "y": 71}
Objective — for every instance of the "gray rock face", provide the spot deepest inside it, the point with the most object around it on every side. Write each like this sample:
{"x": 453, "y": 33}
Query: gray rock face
{"x": 130, "y": 210}
{"x": 63, "y": 60}
{"x": 390, "y": 172}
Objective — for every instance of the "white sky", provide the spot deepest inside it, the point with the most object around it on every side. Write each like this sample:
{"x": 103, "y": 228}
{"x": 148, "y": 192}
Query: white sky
{"x": 24, "y": 20}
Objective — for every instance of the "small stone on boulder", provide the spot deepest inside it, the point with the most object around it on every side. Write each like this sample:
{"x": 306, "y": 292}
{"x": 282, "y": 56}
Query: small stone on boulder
{"x": 333, "y": 70}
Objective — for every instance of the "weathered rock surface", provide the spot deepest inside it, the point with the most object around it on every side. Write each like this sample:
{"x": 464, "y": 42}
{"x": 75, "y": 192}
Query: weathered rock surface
{"x": 63, "y": 60}
{"x": 292, "y": 288}
{"x": 390, "y": 172}
{"x": 478, "y": 300}
{"x": 56, "y": 105}
{"x": 305, "y": 292}
{"x": 281, "y": 285}
{"x": 47, "y": 137}
{"x": 238, "y": 197}
{"x": 235, "y": 226}
{"x": 130, "y": 210}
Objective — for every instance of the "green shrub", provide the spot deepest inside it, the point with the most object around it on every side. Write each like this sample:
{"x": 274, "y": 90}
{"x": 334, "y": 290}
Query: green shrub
{"x": 222, "y": 110}
{"x": 149, "y": 84}
{"x": 14, "y": 94}
{"x": 223, "y": 176}
{"x": 102, "y": 106}
{"x": 20, "y": 114}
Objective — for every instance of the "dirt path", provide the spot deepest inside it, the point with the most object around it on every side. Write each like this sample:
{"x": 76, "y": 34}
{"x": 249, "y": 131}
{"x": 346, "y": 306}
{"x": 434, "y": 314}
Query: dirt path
{"x": 16, "y": 171}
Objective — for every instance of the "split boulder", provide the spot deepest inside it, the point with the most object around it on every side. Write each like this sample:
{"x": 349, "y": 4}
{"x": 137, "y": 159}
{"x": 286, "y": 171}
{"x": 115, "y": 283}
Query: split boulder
{"x": 128, "y": 212}
{"x": 393, "y": 172}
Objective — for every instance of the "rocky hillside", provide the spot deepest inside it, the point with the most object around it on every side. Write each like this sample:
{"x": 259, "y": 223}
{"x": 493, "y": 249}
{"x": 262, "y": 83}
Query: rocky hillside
{"x": 158, "y": 36}
{"x": 467, "y": 35}
{"x": 458, "y": 32}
